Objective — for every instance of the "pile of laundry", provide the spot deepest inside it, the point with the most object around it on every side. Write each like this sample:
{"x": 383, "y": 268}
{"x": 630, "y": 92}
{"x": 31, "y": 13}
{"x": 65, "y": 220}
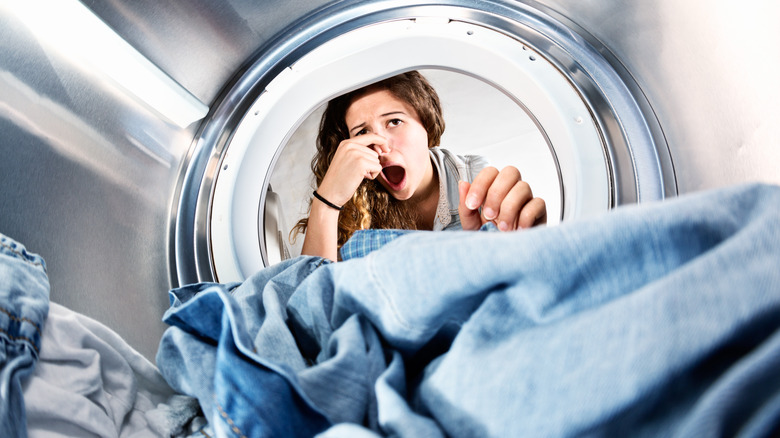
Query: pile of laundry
{"x": 652, "y": 320}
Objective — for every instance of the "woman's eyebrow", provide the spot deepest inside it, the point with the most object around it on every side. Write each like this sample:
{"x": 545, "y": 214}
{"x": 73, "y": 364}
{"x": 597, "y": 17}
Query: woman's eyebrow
{"x": 393, "y": 113}
{"x": 357, "y": 127}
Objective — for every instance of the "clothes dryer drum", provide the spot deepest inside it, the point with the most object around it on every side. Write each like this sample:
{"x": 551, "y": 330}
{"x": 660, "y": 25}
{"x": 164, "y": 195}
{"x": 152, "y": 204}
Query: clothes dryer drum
{"x": 149, "y": 145}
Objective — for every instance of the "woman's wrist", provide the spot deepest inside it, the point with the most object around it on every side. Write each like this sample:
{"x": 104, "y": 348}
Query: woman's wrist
{"x": 322, "y": 214}
{"x": 322, "y": 199}
{"x": 321, "y": 231}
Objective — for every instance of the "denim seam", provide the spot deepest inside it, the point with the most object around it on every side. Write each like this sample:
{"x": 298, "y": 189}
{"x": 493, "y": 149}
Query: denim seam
{"x": 22, "y": 319}
{"x": 21, "y": 338}
{"x": 227, "y": 418}
{"x": 22, "y": 255}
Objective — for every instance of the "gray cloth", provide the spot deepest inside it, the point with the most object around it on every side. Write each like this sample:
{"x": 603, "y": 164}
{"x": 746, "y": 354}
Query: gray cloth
{"x": 90, "y": 382}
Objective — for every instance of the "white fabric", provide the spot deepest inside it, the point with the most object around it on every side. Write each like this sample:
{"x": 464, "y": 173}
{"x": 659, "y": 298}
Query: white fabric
{"x": 89, "y": 382}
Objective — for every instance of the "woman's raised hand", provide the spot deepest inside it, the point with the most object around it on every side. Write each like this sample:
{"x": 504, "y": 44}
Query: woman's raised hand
{"x": 356, "y": 159}
{"x": 505, "y": 199}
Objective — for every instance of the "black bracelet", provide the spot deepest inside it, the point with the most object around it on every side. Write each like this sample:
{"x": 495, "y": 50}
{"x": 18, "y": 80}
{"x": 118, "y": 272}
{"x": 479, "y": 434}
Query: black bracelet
{"x": 326, "y": 202}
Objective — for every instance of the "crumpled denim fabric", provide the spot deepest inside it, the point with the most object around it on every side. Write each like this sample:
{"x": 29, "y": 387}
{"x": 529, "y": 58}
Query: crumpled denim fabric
{"x": 230, "y": 347}
{"x": 653, "y": 320}
{"x": 24, "y": 304}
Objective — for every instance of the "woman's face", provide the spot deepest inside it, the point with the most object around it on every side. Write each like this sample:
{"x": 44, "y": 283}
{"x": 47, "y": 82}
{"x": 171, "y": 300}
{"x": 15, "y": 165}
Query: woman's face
{"x": 407, "y": 170}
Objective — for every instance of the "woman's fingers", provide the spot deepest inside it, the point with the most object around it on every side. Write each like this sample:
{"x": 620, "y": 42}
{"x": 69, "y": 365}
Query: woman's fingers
{"x": 374, "y": 142}
{"x": 504, "y": 184}
{"x": 505, "y": 199}
{"x": 533, "y": 213}
{"x": 513, "y": 203}
{"x": 479, "y": 188}
{"x": 469, "y": 218}
{"x": 355, "y": 160}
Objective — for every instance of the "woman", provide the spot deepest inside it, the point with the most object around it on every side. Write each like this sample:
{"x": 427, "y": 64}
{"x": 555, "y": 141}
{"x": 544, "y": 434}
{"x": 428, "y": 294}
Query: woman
{"x": 378, "y": 166}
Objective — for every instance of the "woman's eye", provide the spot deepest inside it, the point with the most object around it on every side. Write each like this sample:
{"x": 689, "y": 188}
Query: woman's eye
{"x": 361, "y": 132}
{"x": 394, "y": 122}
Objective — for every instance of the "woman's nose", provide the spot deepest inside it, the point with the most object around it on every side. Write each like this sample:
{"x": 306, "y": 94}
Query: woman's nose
{"x": 385, "y": 146}
{"x": 381, "y": 149}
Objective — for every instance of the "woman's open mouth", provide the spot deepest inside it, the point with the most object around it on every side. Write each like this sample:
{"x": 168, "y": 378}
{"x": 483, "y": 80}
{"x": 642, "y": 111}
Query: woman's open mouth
{"x": 395, "y": 177}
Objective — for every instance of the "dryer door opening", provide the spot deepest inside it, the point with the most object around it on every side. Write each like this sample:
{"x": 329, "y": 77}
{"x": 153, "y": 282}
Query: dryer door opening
{"x": 572, "y": 121}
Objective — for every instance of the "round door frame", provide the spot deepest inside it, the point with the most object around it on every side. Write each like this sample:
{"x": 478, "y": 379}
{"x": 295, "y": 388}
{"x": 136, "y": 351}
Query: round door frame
{"x": 634, "y": 145}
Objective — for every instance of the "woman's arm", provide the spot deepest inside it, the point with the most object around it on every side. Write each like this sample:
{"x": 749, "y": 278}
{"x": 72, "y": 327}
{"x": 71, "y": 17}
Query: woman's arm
{"x": 355, "y": 159}
{"x": 321, "y": 231}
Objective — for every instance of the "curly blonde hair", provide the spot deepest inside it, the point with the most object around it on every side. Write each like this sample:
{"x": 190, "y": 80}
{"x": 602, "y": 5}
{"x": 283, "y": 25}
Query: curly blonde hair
{"x": 372, "y": 206}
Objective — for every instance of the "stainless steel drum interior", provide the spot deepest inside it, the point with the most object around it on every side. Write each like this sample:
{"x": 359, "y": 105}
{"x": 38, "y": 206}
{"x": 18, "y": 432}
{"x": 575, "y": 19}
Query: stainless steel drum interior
{"x": 114, "y": 188}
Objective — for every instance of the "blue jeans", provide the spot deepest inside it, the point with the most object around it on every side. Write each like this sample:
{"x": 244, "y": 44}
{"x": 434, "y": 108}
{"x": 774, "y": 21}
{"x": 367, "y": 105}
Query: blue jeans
{"x": 24, "y": 305}
{"x": 653, "y": 320}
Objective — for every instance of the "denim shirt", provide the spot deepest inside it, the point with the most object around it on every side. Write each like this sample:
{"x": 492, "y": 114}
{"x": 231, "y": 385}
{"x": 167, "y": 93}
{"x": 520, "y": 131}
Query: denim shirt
{"x": 451, "y": 169}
